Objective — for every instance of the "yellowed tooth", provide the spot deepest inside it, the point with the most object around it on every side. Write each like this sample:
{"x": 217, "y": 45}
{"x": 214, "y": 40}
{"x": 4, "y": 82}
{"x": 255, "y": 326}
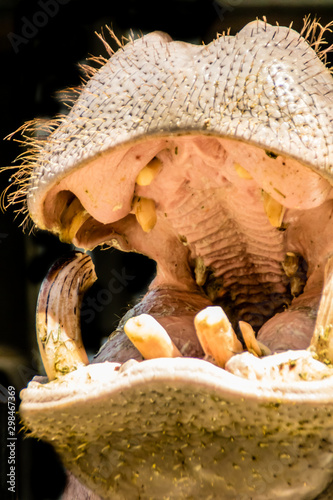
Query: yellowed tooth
{"x": 216, "y": 335}
{"x": 200, "y": 271}
{"x": 72, "y": 218}
{"x": 274, "y": 210}
{"x": 149, "y": 172}
{"x": 150, "y": 338}
{"x": 297, "y": 284}
{"x": 145, "y": 212}
{"x": 253, "y": 345}
{"x": 58, "y": 314}
{"x": 322, "y": 340}
{"x": 242, "y": 172}
{"x": 290, "y": 264}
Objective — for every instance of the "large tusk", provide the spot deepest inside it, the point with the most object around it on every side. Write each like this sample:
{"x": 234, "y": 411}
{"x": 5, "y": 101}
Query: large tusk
{"x": 216, "y": 335}
{"x": 150, "y": 338}
{"x": 58, "y": 314}
{"x": 322, "y": 340}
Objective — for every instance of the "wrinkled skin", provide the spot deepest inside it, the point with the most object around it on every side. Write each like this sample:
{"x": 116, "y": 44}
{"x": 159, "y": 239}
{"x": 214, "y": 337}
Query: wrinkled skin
{"x": 241, "y": 131}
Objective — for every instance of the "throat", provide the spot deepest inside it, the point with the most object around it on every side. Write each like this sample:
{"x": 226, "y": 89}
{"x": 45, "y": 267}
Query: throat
{"x": 235, "y": 253}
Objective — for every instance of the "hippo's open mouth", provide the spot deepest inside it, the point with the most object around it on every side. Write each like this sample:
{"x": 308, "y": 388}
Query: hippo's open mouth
{"x": 216, "y": 162}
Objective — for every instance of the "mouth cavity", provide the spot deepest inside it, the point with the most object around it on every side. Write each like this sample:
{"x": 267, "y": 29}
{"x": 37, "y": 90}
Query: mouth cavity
{"x": 241, "y": 237}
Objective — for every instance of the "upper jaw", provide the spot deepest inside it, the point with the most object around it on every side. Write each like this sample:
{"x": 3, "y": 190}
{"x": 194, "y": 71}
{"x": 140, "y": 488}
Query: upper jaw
{"x": 266, "y": 87}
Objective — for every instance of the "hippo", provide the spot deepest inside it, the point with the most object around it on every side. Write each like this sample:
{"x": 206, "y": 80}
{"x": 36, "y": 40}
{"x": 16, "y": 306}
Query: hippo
{"x": 216, "y": 161}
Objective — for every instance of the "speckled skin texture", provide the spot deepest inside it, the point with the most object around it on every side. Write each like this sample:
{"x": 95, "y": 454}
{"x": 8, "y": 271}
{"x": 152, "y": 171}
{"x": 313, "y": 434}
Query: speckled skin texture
{"x": 184, "y": 428}
{"x": 260, "y": 95}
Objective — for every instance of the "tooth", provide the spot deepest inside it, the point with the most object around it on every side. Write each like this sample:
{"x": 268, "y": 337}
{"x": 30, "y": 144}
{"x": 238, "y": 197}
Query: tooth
{"x": 297, "y": 284}
{"x": 214, "y": 288}
{"x": 145, "y": 213}
{"x": 253, "y": 345}
{"x": 322, "y": 341}
{"x": 290, "y": 264}
{"x": 127, "y": 365}
{"x": 58, "y": 314}
{"x": 242, "y": 172}
{"x": 72, "y": 218}
{"x": 286, "y": 367}
{"x": 274, "y": 210}
{"x": 149, "y": 172}
{"x": 150, "y": 338}
{"x": 200, "y": 271}
{"x": 216, "y": 335}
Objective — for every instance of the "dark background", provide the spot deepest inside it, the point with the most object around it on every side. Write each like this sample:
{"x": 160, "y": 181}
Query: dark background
{"x": 39, "y": 56}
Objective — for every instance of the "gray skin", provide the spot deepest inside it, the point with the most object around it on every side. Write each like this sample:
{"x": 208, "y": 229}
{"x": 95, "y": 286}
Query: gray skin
{"x": 183, "y": 427}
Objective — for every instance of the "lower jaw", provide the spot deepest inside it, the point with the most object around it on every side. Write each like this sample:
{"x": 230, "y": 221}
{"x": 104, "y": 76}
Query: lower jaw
{"x": 180, "y": 427}
{"x": 184, "y": 428}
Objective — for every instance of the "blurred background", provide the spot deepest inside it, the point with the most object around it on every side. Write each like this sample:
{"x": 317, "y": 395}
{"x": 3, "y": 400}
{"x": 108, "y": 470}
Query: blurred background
{"x": 41, "y": 44}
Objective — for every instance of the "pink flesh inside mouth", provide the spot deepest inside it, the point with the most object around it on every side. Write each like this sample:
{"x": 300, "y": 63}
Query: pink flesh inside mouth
{"x": 232, "y": 225}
